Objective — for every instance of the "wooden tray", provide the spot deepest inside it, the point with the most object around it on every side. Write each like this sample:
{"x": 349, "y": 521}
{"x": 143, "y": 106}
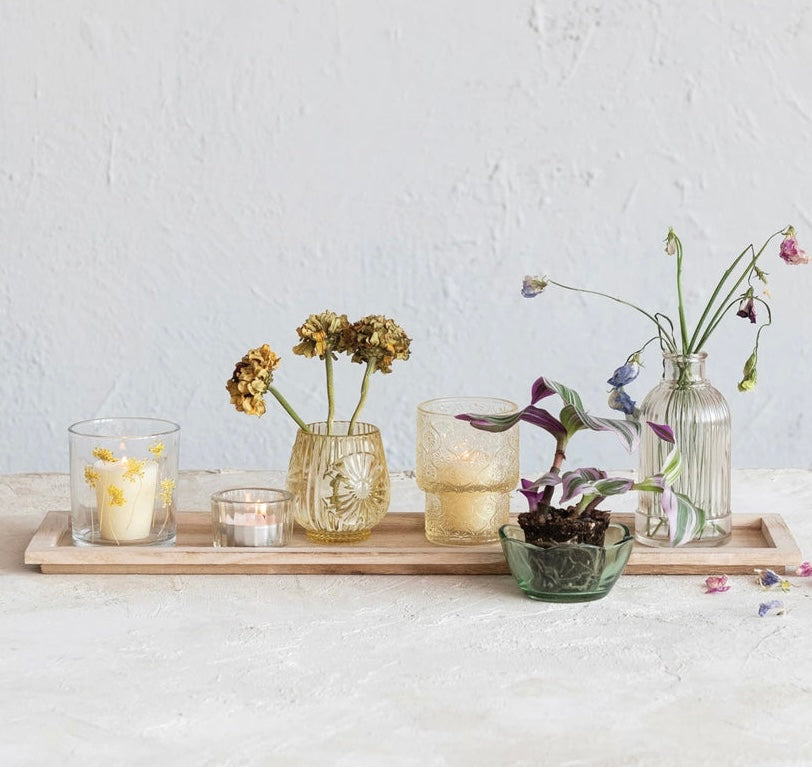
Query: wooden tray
{"x": 397, "y": 546}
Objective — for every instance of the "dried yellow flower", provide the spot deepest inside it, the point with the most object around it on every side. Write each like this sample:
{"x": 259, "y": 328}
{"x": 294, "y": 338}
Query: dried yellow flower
{"x": 252, "y": 376}
{"x": 379, "y": 339}
{"x": 156, "y": 449}
{"x": 91, "y": 476}
{"x": 116, "y": 495}
{"x": 321, "y": 332}
{"x": 167, "y": 486}
{"x": 135, "y": 468}
{"x": 103, "y": 454}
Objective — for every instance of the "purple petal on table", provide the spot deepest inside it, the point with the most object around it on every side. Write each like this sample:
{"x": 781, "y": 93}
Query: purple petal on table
{"x": 775, "y": 606}
{"x": 716, "y": 584}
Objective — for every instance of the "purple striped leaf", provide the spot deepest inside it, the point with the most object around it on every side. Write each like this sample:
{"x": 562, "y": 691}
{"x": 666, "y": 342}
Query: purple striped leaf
{"x": 626, "y": 430}
{"x": 574, "y": 482}
{"x": 672, "y": 467}
{"x": 493, "y": 423}
{"x": 655, "y": 484}
{"x": 663, "y": 431}
{"x": 685, "y": 520}
{"x": 544, "y": 387}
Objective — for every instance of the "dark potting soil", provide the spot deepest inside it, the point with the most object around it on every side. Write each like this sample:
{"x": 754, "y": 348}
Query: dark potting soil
{"x": 547, "y": 525}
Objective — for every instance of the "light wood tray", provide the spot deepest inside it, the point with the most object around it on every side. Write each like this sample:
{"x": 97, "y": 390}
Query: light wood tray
{"x": 397, "y": 546}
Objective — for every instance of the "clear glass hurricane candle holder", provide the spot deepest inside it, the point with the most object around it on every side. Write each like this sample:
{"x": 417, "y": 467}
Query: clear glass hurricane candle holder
{"x": 123, "y": 473}
{"x": 252, "y": 516}
{"x": 466, "y": 474}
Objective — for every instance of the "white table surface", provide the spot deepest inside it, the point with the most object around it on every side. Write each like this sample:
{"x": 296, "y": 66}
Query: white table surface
{"x": 406, "y": 670}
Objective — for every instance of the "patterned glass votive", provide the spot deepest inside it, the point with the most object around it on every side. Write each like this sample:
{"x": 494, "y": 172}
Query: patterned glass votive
{"x": 252, "y": 516}
{"x": 123, "y": 473}
{"x": 467, "y": 474}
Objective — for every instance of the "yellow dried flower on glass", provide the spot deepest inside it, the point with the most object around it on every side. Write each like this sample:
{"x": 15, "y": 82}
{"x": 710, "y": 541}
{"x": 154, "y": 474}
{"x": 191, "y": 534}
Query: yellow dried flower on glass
{"x": 157, "y": 449}
{"x": 91, "y": 476}
{"x": 167, "y": 488}
{"x": 103, "y": 454}
{"x": 116, "y": 495}
{"x": 135, "y": 468}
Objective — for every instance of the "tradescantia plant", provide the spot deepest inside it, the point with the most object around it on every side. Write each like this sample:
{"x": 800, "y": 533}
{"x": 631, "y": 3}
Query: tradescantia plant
{"x": 586, "y": 488}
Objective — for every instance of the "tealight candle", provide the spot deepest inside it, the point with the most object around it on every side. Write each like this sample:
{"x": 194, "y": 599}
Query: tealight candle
{"x": 255, "y": 529}
{"x": 252, "y": 516}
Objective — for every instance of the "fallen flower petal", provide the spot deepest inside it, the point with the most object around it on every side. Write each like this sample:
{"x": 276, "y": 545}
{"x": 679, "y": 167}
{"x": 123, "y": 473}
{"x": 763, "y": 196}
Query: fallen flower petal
{"x": 804, "y": 570}
{"x": 715, "y": 584}
{"x": 775, "y": 606}
{"x": 767, "y": 579}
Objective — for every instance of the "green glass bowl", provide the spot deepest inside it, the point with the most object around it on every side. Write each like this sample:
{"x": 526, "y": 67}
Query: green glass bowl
{"x": 567, "y": 572}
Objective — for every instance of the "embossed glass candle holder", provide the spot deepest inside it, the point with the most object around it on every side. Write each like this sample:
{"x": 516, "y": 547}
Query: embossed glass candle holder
{"x": 466, "y": 474}
{"x": 252, "y": 516}
{"x": 123, "y": 473}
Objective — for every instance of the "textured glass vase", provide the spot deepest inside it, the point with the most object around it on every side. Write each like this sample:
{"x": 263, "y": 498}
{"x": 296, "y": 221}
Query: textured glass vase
{"x": 700, "y": 418}
{"x": 467, "y": 474}
{"x": 340, "y": 481}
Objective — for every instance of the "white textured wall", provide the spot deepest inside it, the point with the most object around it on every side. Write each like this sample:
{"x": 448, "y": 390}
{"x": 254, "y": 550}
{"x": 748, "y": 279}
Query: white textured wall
{"x": 181, "y": 181}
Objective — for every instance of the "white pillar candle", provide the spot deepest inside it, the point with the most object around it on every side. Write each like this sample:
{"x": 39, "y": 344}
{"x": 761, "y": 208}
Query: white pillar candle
{"x": 125, "y": 496}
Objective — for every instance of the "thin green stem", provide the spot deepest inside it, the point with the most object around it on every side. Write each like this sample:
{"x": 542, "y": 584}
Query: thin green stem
{"x": 725, "y": 303}
{"x": 364, "y": 390}
{"x": 331, "y": 405}
{"x": 683, "y": 328}
{"x": 715, "y": 293}
{"x": 288, "y": 409}
{"x": 668, "y": 337}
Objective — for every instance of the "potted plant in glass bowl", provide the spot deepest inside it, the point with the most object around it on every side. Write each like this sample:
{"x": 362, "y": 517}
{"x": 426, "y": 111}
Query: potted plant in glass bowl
{"x": 337, "y": 470}
{"x": 572, "y": 551}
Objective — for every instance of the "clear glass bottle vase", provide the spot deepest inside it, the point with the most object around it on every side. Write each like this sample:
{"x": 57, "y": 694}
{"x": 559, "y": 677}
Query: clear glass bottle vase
{"x": 700, "y": 418}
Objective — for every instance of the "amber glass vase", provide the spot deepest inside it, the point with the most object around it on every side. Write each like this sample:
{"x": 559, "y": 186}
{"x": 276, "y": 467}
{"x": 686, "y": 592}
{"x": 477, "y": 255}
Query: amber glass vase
{"x": 466, "y": 474}
{"x": 700, "y": 418}
{"x": 340, "y": 481}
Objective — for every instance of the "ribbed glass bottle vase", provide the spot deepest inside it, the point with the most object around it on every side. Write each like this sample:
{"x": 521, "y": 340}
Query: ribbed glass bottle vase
{"x": 700, "y": 418}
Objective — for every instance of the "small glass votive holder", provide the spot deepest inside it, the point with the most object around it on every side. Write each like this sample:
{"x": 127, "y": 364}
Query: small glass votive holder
{"x": 252, "y": 516}
{"x": 467, "y": 474}
{"x": 123, "y": 473}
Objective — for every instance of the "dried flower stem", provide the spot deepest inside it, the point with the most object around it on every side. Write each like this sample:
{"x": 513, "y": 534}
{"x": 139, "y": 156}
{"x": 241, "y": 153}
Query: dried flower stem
{"x": 288, "y": 409}
{"x": 331, "y": 405}
{"x": 665, "y": 335}
{"x": 370, "y": 369}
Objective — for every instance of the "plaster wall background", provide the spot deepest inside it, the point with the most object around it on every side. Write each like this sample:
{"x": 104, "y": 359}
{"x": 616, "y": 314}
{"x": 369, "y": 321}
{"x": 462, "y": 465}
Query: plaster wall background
{"x": 182, "y": 181}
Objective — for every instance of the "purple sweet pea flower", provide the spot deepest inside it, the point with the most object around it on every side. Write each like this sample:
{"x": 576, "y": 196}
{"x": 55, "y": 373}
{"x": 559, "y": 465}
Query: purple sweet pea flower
{"x": 619, "y": 400}
{"x": 747, "y": 309}
{"x": 790, "y": 251}
{"x": 774, "y": 605}
{"x": 624, "y": 374}
{"x": 533, "y": 285}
